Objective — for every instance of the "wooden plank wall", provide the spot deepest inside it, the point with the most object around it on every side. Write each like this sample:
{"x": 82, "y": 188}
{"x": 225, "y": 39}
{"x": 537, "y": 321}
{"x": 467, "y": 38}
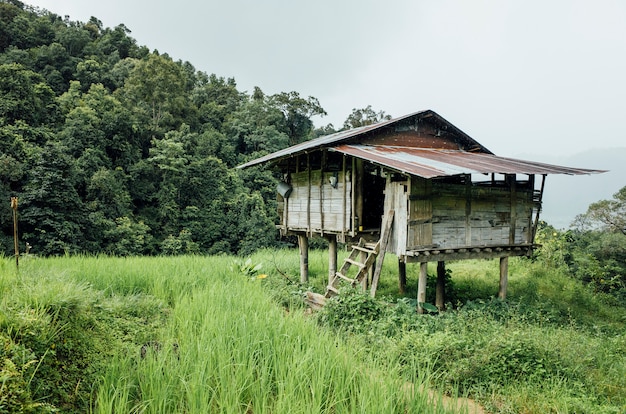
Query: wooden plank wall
{"x": 485, "y": 220}
{"x": 319, "y": 208}
{"x": 396, "y": 198}
{"x": 420, "y": 225}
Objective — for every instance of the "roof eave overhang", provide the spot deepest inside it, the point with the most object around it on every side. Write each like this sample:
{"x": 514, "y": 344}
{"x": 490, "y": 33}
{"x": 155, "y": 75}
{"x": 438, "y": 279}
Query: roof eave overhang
{"x": 434, "y": 163}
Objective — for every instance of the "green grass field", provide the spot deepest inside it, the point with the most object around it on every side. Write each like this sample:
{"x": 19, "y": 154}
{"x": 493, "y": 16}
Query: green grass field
{"x": 213, "y": 334}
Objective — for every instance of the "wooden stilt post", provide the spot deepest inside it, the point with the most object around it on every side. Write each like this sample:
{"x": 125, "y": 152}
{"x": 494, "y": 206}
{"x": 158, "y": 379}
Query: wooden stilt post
{"x": 303, "y": 242}
{"x": 401, "y": 276}
{"x": 504, "y": 277}
{"x": 421, "y": 287}
{"x": 441, "y": 286}
{"x": 332, "y": 257}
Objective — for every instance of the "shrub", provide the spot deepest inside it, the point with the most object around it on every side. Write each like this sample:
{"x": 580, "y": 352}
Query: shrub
{"x": 352, "y": 310}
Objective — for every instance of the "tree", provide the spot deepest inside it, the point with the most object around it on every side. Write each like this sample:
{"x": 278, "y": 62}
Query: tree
{"x": 609, "y": 214}
{"x": 52, "y": 210}
{"x": 598, "y": 240}
{"x": 297, "y": 113}
{"x": 363, "y": 117}
{"x": 24, "y": 95}
{"x": 156, "y": 87}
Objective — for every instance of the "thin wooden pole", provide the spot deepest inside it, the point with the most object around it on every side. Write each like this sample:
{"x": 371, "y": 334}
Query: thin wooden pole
{"x": 362, "y": 259}
{"x": 15, "y": 240}
{"x": 332, "y": 257}
{"x": 303, "y": 242}
{"x": 504, "y": 277}
{"x": 441, "y": 285}
{"x": 421, "y": 287}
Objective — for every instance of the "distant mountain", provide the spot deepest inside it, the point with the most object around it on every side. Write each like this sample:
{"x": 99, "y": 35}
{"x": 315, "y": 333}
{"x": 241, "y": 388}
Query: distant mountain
{"x": 567, "y": 196}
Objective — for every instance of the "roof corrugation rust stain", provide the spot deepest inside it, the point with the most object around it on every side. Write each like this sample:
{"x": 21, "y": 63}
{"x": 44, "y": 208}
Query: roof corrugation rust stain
{"x": 431, "y": 163}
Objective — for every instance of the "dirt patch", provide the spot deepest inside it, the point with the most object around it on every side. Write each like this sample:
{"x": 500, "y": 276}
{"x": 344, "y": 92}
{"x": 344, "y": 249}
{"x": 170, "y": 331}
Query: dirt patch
{"x": 458, "y": 404}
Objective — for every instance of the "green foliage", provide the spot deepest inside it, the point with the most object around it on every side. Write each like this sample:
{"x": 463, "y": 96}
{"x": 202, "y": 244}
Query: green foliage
{"x": 58, "y": 334}
{"x": 554, "y": 345}
{"x": 363, "y": 117}
{"x": 93, "y": 334}
{"x": 246, "y": 268}
{"x": 17, "y": 366}
{"x": 352, "y": 310}
{"x": 117, "y": 150}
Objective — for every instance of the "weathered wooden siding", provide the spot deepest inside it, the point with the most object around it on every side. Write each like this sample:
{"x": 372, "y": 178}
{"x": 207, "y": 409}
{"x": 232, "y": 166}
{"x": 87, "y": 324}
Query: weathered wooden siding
{"x": 478, "y": 216}
{"x": 396, "y": 198}
{"x": 319, "y": 207}
{"x": 420, "y": 225}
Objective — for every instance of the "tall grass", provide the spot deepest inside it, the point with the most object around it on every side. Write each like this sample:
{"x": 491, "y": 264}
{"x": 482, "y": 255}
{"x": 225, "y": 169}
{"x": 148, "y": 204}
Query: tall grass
{"x": 216, "y": 340}
{"x": 227, "y": 348}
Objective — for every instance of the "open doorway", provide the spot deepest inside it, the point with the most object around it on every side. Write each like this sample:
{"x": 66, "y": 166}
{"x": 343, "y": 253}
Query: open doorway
{"x": 373, "y": 197}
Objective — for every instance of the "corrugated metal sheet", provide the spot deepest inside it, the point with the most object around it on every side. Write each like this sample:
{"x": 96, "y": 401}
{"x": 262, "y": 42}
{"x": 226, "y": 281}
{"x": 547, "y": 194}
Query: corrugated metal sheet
{"x": 427, "y": 163}
{"x": 350, "y": 135}
{"x": 431, "y": 163}
{"x": 325, "y": 141}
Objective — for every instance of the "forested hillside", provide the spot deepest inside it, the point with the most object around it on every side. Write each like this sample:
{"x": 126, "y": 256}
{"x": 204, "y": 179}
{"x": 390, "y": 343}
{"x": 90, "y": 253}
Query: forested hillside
{"x": 116, "y": 149}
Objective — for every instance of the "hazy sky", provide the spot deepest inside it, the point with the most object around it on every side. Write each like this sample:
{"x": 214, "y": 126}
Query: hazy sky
{"x": 521, "y": 77}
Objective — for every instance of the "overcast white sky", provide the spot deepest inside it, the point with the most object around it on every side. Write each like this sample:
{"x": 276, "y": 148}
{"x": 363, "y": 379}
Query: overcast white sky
{"x": 521, "y": 77}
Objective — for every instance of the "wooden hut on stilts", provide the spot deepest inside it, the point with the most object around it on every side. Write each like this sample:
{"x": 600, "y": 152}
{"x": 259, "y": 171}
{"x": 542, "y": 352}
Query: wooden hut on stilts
{"x": 416, "y": 186}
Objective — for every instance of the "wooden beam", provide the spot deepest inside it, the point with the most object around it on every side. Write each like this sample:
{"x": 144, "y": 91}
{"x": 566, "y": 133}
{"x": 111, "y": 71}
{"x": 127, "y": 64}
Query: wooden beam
{"x": 308, "y": 198}
{"x": 332, "y": 257}
{"x": 421, "y": 286}
{"x": 401, "y": 276}
{"x": 344, "y": 199}
{"x": 364, "y": 280}
{"x": 536, "y": 223}
{"x": 441, "y": 285}
{"x": 321, "y": 193}
{"x": 468, "y": 209}
{"x": 513, "y": 181}
{"x": 504, "y": 277}
{"x": 358, "y": 191}
{"x": 303, "y": 243}
{"x": 353, "y": 221}
{"x": 385, "y": 233}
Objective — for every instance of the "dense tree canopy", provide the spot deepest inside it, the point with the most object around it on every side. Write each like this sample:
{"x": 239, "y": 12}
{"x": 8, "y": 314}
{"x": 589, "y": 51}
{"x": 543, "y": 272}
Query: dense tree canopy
{"x": 115, "y": 149}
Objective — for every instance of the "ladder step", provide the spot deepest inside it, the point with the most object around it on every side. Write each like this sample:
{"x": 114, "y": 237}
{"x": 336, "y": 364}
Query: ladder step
{"x": 354, "y": 262}
{"x": 346, "y": 278}
{"x": 332, "y": 289}
{"x": 363, "y": 249}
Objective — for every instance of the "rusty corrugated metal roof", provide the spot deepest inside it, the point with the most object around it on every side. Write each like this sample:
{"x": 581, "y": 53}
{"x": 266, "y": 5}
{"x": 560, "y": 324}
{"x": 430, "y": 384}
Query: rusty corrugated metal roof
{"x": 431, "y": 163}
{"x": 351, "y": 134}
{"x": 427, "y": 163}
{"x": 321, "y": 142}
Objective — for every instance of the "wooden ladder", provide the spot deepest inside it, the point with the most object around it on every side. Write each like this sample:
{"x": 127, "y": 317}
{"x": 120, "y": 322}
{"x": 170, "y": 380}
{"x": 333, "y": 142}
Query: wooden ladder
{"x": 354, "y": 259}
{"x": 363, "y": 256}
